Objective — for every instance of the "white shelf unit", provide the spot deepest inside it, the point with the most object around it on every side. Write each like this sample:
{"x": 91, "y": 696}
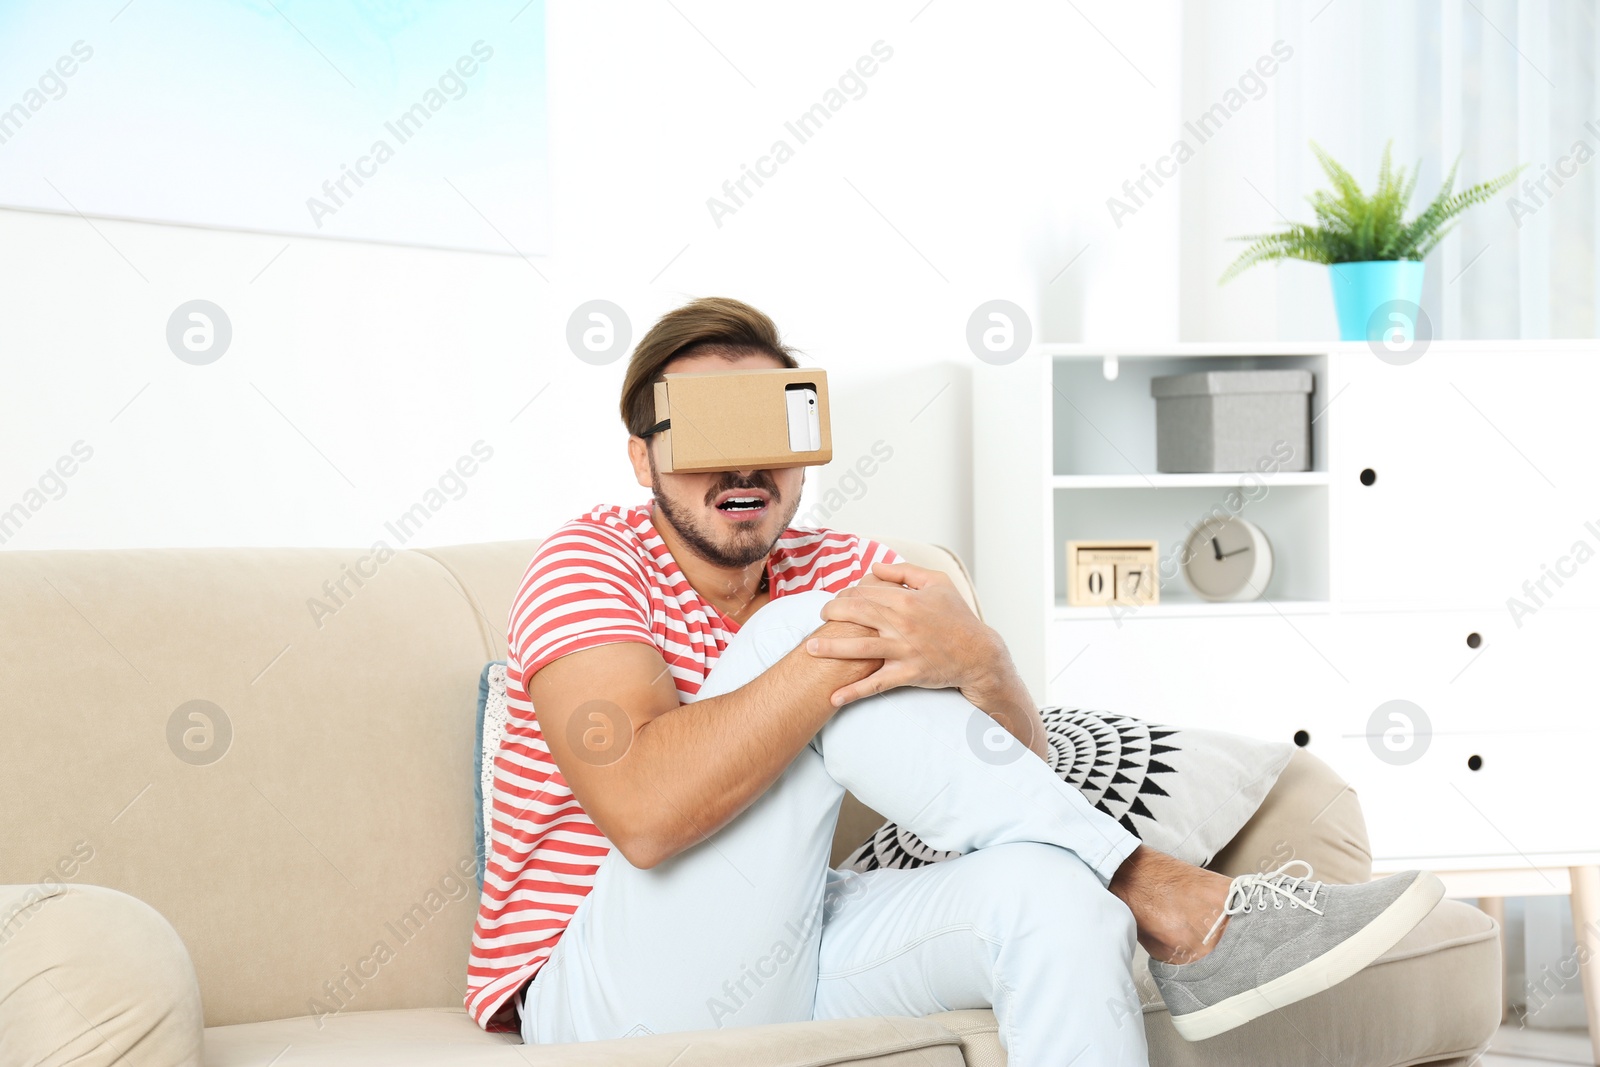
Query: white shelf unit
{"x": 1483, "y": 478}
{"x": 1104, "y": 485}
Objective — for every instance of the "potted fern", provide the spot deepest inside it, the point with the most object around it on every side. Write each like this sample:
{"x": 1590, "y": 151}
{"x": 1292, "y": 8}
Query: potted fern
{"x": 1374, "y": 254}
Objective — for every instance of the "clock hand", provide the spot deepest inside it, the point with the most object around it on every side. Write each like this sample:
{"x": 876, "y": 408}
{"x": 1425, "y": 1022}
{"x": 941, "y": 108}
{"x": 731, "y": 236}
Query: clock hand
{"x": 1216, "y": 548}
{"x": 1235, "y": 552}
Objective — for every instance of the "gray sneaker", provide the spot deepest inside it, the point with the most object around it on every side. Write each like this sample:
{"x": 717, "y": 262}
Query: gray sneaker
{"x": 1287, "y": 938}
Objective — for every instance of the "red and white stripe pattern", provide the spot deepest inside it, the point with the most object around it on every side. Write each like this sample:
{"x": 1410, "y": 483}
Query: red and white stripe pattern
{"x": 604, "y": 577}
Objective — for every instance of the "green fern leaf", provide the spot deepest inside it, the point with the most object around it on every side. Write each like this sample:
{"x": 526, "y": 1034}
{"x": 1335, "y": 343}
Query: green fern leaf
{"x": 1352, "y": 226}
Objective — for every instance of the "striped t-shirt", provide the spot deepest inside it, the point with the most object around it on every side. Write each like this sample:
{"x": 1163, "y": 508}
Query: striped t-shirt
{"x": 602, "y": 578}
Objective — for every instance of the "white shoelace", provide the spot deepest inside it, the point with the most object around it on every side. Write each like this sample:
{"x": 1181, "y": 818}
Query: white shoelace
{"x": 1254, "y": 890}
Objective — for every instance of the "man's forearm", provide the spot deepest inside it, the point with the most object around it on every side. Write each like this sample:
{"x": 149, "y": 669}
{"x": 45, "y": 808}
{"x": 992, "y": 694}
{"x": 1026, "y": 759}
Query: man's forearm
{"x": 1004, "y": 697}
{"x": 1012, "y": 707}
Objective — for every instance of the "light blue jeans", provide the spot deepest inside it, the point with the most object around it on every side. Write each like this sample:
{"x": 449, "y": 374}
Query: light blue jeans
{"x": 751, "y": 926}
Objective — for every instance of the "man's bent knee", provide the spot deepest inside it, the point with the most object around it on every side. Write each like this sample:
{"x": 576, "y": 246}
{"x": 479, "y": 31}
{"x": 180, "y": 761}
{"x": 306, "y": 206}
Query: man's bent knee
{"x": 782, "y": 623}
{"x": 796, "y": 609}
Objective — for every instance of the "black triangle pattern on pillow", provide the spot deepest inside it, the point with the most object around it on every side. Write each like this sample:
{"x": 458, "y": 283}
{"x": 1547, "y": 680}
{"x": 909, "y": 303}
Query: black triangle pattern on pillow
{"x": 1112, "y": 759}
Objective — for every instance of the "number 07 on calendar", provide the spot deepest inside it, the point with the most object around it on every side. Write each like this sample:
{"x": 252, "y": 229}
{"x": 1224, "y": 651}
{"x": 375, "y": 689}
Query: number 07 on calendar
{"x": 1112, "y": 572}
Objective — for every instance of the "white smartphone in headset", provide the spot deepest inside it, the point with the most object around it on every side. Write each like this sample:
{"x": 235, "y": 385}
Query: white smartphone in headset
{"x": 805, "y": 421}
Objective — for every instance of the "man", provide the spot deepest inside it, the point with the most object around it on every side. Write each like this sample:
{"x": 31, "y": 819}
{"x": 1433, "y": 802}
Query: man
{"x": 692, "y": 686}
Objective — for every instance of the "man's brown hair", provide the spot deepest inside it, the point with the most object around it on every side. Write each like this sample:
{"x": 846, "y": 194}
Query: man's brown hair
{"x": 729, "y": 328}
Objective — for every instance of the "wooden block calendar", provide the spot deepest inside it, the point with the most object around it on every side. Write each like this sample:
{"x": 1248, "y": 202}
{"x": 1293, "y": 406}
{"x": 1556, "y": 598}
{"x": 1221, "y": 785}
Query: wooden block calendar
{"x": 1112, "y": 572}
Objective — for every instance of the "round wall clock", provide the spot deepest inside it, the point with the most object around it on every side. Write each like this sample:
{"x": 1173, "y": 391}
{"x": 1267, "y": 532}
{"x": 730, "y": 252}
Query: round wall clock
{"x": 1227, "y": 559}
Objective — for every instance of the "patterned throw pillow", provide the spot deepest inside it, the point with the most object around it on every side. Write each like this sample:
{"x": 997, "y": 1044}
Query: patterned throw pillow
{"x": 1183, "y": 792}
{"x": 491, "y": 728}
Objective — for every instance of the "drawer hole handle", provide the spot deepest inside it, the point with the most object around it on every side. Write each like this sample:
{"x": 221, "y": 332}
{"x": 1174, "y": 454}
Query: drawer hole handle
{"x": 1302, "y": 738}
{"x": 1474, "y": 763}
{"x": 1368, "y": 476}
{"x": 1474, "y": 639}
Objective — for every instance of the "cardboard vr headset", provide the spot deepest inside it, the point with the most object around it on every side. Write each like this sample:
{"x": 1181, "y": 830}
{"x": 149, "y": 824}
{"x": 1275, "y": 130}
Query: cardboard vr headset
{"x": 738, "y": 420}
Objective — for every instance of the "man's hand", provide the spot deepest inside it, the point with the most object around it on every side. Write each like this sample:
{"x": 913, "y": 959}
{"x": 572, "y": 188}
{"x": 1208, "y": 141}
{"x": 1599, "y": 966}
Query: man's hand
{"x": 927, "y": 636}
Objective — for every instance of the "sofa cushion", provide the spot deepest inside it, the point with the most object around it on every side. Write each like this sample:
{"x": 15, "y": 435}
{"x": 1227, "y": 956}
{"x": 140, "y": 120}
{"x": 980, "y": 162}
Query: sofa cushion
{"x": 1181, "y": 791}
{"x": 1434, "y": 996}
{"x": 322, "y": 854}
{"x": 92, "y": 976}
{"x": 1311, "y": 814}
{"x": 435, "y": 1036}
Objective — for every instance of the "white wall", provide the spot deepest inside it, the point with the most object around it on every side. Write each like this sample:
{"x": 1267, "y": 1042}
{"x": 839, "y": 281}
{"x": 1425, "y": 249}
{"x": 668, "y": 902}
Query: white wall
{"x": 976, "y": 166}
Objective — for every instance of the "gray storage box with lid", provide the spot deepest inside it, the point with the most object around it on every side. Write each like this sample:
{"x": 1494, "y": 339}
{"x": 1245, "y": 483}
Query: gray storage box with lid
{"x": 1233, "y": 420}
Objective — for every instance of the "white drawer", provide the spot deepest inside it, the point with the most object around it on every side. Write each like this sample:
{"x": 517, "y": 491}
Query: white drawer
{"x": 1473, "y": 481}
{"x": 1249, "y": 675}
{"x": 1515, "y": 678}
{"x": 1521, "y": 800}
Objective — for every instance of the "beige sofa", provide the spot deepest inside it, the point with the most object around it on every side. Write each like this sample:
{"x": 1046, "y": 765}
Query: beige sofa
{"x": 307, "y": 898}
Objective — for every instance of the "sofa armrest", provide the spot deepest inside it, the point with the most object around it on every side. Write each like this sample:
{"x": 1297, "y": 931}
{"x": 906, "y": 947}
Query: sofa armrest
{"x": 89, "y": 975}
{"x": 1310, "y": 814}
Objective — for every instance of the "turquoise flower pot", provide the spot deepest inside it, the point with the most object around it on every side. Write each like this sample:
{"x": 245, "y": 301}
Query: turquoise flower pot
{"x": 1361, "y": 289}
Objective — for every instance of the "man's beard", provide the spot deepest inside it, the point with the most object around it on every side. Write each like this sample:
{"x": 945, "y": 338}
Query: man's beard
{"x": 747, "y": 546}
